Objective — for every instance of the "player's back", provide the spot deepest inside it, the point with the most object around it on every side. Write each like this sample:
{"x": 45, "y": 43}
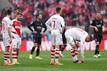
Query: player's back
{"x": 76, "y": 33}
{"x": 56, "y": 22}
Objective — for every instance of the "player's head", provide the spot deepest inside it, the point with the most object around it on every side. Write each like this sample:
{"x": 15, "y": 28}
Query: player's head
{"x": 98, "y": 16}
{"x": 58, "y": 10}
{"x": 18, "y": 16}
{"x": 39, "y": 16}
{"x": 18, "y": 10}
{"x": 8, "y": 12}
{"x": 88, "y": 38}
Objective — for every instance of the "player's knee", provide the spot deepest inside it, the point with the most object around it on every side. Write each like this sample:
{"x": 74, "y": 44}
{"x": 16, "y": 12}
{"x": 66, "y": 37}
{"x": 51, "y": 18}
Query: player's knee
{"x": 14, "y": 49}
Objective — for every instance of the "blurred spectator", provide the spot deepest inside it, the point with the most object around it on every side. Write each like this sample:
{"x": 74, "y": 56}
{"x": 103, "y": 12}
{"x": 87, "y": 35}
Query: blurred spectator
{"x": 75, "y": 12}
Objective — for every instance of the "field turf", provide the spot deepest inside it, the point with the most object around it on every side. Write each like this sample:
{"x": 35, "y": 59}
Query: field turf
{"x": 91, "y": 64}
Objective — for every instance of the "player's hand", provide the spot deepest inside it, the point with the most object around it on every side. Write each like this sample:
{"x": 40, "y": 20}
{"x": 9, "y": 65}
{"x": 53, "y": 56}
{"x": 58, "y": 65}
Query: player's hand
{"x": 96, "y": 29}
{"x": 42, "y": 33}
{"x": 34, "y": 32}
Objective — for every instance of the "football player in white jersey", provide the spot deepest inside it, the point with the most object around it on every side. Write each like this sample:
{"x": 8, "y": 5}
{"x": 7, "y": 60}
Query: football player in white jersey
{"x": 6, "y": 22}
{"x": 73, "y": 35}
{"x": 55, "y": 24}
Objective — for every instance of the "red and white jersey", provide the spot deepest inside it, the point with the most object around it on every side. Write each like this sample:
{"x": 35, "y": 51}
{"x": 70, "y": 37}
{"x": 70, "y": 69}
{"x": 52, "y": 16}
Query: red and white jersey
{"x": 55, "y": 22}
{"x": 77, "y": 34}
{"x": 16, "y": 28}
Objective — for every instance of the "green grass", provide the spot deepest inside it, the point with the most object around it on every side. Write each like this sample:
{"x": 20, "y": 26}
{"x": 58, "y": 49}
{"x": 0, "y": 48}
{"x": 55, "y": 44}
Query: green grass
{"x": 91, "y": 64}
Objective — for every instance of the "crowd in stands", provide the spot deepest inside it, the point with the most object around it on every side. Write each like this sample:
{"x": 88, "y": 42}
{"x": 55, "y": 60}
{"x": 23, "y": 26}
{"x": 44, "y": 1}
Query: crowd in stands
{"x": 75, "y": 12}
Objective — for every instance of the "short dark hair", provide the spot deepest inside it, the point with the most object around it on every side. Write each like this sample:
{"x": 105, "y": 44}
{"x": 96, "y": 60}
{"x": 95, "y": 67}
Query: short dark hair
{"x": 8, "y": 12}
{"x": 58, "y": 9}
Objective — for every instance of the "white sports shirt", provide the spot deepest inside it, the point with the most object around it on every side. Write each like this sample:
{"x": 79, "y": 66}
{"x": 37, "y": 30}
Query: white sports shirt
{"x": 6, "y": 24}
{"x": 77, "y": 34}
{"x": 55, "y": 22}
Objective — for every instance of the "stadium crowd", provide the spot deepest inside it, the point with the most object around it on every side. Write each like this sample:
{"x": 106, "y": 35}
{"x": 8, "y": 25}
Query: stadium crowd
{"x": 75, "y": 12}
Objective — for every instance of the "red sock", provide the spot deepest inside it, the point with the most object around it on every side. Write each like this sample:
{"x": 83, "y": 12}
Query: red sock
{"x": 57, "y": 52}
{"x": 14, "y": 56}
{"x": 52, "y": 54}
{"x": 6, "y": 57}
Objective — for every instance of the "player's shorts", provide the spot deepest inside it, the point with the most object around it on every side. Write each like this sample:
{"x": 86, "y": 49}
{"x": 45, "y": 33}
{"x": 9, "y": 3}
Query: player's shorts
{"x": 56, "y": 37}
{"x": 97, "y": 38}
{"x": 69, "y": 39}
{"x": 6, "y": 40}
{"x": 37, "y": 38}
{"x": 16, "y": 42}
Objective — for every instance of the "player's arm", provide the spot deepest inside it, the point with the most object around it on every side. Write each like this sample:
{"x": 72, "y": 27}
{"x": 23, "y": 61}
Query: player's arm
{"x": 45, "y": 28}
{"x": 62, "y": 24}
{"x": 30, "y": 27}
{"x": 48, "y": 25}
{"x": 92, "y": 25}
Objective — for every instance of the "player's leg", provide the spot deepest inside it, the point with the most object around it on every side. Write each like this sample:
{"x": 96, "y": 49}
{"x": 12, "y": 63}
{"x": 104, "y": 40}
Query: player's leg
{"x": 98, "y": 40}
{"x": 52, "y": 51}
{"x": 64, "y": 42}
{"x": 82, "y": 53}
{"x": 58, "y": 41}
{"x": 39, "y": 40}
{"x": 6, "y": 42}
{"x": 14, "y": 51}
{"x": 18, "y": 47}
{"x": 33, "y": 48}
{"x": 7, "y": 56}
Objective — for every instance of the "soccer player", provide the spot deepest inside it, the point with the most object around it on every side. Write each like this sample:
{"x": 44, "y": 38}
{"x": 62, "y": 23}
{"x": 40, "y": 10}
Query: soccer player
{"x": 73, "y": 35}
{"x": 55, "y": 24}
{"x": 16, "y": 38}
{"x": 39, "y": 29}
{"x": 97, "y": 25}
{"x": 6, "y": 33}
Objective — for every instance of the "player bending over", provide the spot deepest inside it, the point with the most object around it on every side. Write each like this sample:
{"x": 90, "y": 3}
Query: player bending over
{"x": 73, "y": 35}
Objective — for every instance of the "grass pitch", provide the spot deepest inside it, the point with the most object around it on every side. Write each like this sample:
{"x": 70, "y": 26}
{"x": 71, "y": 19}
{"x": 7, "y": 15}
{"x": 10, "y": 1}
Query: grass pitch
{"x": 91, "y": 64}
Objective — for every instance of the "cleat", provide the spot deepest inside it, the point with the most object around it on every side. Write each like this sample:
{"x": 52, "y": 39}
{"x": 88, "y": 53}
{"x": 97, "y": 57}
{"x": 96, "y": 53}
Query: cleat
{"x": 39, "y": 58}
{"x": 61, "y": 55}
{"x": 58, "y": 63}
{"x": 9, "y": 64}
{"x": 30, "y": 56}
{"x": 13, "y": 63}
{"x": 52, "y": 63}
{"x": 99, "y": 55}
{"x": 95, "y": 56}
{"x": 82, "y": 61}
{"x": 78, "y": 62}
{"x": 17, "y": 63}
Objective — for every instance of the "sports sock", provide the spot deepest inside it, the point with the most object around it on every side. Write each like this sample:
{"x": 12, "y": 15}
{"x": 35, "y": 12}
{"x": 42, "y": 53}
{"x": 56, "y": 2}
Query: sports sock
{"x": 33, "y": 49}
{"x": 52, "y": 54}
{"x": 57, "y": 52}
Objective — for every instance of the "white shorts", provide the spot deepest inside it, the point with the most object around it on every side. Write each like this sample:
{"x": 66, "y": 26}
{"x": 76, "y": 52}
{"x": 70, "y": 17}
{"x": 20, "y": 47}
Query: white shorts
{"x": 56, "y": 37}
{"x": 70, "y": 40}
{"x": 16, "y": 42}
{"x": 6, "y": 40}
